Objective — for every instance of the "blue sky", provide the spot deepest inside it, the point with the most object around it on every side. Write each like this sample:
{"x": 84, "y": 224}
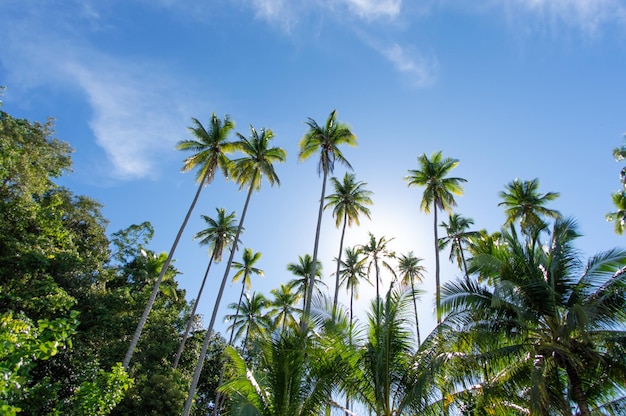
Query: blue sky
{"x": 512, "y": 88}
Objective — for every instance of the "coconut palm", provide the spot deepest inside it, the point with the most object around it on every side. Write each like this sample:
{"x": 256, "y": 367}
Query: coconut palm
{"x": 377, "y": 252}
{"x": 249, "y": 170}
{"x": 524, "y": 203}
{"x": 380, "y": 378}
{"x": 411, "y": 270}
{"x": 249, "y": 318}
{"x": 348, "y": 202}
{"x": 439, "y": 192}
{"x": 619, "y": 216}
{"x": 302, "y": 270}
{"x": 325, "y": 140}
{"x": 282, "y": 308}
{"x": 352, "y": 271}
{"x": 293, "y": 377}
{"x": 218, "y": 235}
{"x": 457, "y": 234}
{"x": 245, "y": 270}
{"x": 553, "y": 327}
{"x": 211, "y": 149}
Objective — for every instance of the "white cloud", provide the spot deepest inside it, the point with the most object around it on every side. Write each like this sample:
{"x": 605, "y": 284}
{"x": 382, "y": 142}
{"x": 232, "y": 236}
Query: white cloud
{"x": 586, "y": 15}
{"x": 421, "y": 71}
{"x": 374, "y": 9}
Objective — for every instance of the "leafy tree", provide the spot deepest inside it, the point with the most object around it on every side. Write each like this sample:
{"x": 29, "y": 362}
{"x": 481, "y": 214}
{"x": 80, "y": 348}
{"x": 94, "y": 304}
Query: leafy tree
{"x": 348, "y": 202}
{"x": 376, "y": 251}
{"x": 523, "y": 202}
{"x": 619, "y": 197}
{"x": 282, "y": 308}
{"x": 411, "y": 270}
{"x": 439, "y": 192}
{"x": 249, "y": 170}
{"x": 211, "y": 149}
{"x": 552, "y": 327}
{"x": 325, "y": 140}
{"x": 456, "y": 235}
{"x": 352, "y": 271}
{"x": 218, "y": 235}
{"x": 302, "y": 270}
{"x": 249, "y": 318}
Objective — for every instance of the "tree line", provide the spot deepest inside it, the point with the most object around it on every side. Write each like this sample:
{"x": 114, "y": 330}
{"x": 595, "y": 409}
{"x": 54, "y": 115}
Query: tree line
{"x": 97, "y": 325}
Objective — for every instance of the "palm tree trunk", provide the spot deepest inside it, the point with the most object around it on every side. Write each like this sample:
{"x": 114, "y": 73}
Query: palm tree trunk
{"x": 343, "y": 233}
{"x": 155, "y": 290}
{"x": 577, "y": 390}
{"x": 437, "y": 282}
{"x": 207, "y": 337}
{"x": 309, "y": 294}
{"x": 417, "y": 322}
{"x": 218, "y": 396}
{"x": 463, "y": 258}
{"x": 193, "y": 313}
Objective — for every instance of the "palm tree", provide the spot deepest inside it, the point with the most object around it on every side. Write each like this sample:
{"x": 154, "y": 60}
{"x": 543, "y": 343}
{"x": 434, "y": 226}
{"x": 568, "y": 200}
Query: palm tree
{"x": 325, "y": 140}
{"x": 293, "y": 377}
{"x": 619, "y": 216}
{"x": 249, "y": 317}
{"x": 248, "y": 170}
{"x": 553, "y": 327}
{"x": 218, "y": 235}
{"x": 211, "y": 149}
{"x": 245, "y": 270}
{"x": 456, "y": 235}
{"x": 302, "y": 270}
{"x": 352, "y": 271}
{"x": 376, "y": 252}
{"x": 380, "y": 378}
{"x": 348, "y": 203}
{"x": 439, "y": 192}
{"x": 282, "y": 308}
{"x": 524, "y": 203}
{"x": 411, "y": 270}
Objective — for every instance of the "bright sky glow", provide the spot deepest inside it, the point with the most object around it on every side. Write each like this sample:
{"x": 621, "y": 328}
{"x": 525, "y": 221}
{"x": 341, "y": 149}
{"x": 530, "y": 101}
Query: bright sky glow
{"x": 513, "y": 88}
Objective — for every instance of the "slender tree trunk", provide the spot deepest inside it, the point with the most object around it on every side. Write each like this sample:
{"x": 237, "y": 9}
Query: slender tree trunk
{"x": 463, "y": 258}
{"x": 207, "y": 337}
{"x": 577, "y": 390}
{"x": 307, "y": 300}
{"x": 155, "y": 290}
{"x": 218, "y": 396}
{"x": 193, "y": 313}
{"x": 417, "y": 322}
{"x": 437, "y": 281}
{"x": 343, "y": 233}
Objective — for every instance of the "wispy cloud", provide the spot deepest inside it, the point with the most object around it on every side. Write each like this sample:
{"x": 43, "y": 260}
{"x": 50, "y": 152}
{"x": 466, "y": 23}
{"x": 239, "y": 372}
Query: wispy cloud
{"x": 374, "y": 9}
{"x": 130, "y": 121}
{"x": 422, "y": 71}
{"x": 586, "y": 15}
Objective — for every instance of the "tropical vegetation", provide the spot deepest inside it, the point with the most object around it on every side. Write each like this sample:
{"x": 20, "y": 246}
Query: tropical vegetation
{"x": 95, "y": 323}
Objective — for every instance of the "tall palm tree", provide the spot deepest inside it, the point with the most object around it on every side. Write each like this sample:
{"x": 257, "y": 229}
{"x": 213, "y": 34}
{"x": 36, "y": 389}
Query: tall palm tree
{"x": 249, "y": 317}
{"x": 282, "y": 308}
{"x": 325, "y": 140}
{"x": 245, "y": 270}
{"x": 380, "y": 378}
{"x": 249, "y": 170}
{"x": 457, "y": 234}
{"x": 410, "y": 271}
{"x": 523, "y": 202}
{"x": 554, "y": 327}
{"x": 377, "y": 252}
{"x": 218, "y": 235}
{"x": 211, "y": 149}
{"x": 348, "y": 202}
{"x": 302, "y": 270}
{"x": 439, "y": 192}
{"x": 619, "y": 197}
{"x": 352, "y": 271}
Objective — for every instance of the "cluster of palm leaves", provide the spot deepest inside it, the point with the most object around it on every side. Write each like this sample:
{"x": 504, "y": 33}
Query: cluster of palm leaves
{"x": 529, "y": 328}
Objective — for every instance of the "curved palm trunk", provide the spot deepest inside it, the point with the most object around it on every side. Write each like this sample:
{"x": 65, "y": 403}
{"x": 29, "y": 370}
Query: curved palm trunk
{"x": 207, "y": 337}
{"x": 577, "y": 390}
{"x": 417, "y": 322}
{"x": 309, "y": 294}
{"x": 155, "y": 290}
{"x": 218, "y": 396}
{"x": 343, "y": 233}
{"x": 193, "y": 313}
{"x": 463, "y": 258}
